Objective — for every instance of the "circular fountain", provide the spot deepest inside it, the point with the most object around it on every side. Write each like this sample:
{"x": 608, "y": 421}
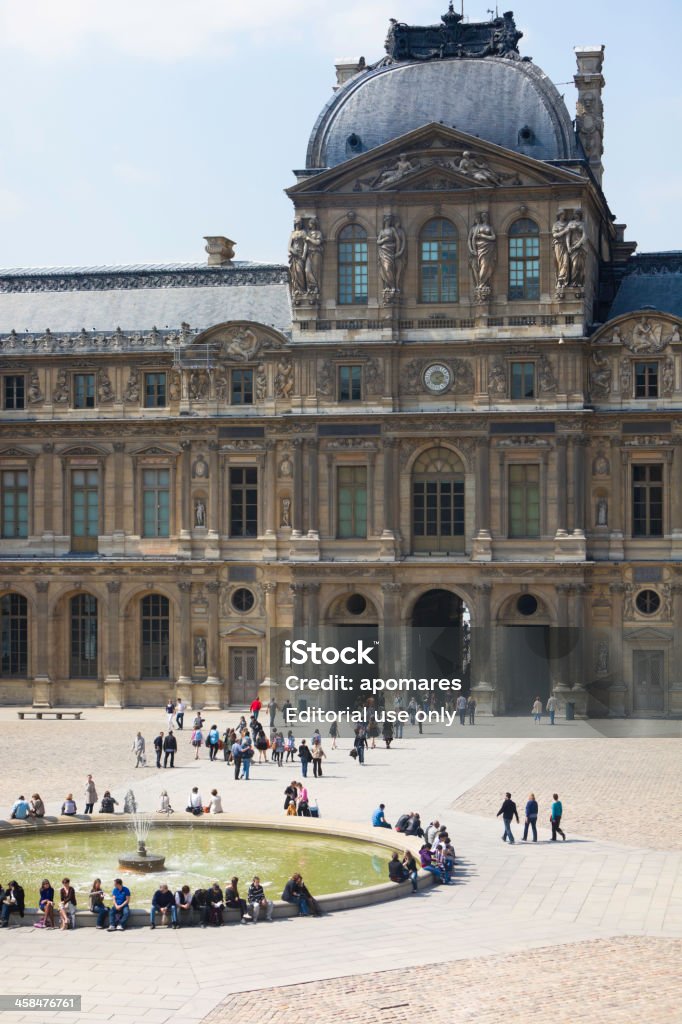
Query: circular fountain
{"x": 141, "y": 823}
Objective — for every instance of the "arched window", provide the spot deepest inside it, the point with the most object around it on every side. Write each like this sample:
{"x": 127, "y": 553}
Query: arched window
{"x": 155, "y": 639}
{"x": 352, "y": 262}
{"x": 524, "y": 260}
{"x": 438, "y": 262}
{"x": 83, "y": 637}
{"x": 14, "y": 635}
{"x": 438, "y": 502}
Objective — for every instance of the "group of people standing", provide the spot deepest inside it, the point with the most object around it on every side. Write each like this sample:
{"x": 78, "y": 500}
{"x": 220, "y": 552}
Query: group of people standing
{"x": 508, "y": 812}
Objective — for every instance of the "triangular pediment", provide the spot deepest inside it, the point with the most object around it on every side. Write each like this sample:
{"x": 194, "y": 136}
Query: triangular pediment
{"x": 433, "y": 157}
{"x": 647, "y": 635}
{"x": 243, "y": 632}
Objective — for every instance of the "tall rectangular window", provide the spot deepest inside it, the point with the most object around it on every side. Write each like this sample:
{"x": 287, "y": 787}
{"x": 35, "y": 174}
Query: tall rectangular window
{"x": 13, "y": 635}
{"x": 84, "y": 509}
{"x": 524, "y": 260}
{"x": 350, "y": 383}
{"x": 646, "y": 380}
{"x": 523, "y": 380}
{"x": 84, "y": 391}
{"x": 83, "y": 637}
{"x": 244, "y": 502}
{"x": 155, "y": 646}
{"x": 156, "y": 502}
{"x": 14, "y": 484}
{"x": 241, "y": 392}
{"x": 14, "y": 391}
{"x": 647, "y": 500}
{"x": 352, "y": 501}
{"x": 524, "y": 501}
{"x": 154, "y": 390}
{"x": 352, "y": 265}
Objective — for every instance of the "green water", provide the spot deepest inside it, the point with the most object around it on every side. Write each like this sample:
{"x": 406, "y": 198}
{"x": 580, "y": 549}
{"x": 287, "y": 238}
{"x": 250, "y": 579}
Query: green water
{"x": 195, "y": 856}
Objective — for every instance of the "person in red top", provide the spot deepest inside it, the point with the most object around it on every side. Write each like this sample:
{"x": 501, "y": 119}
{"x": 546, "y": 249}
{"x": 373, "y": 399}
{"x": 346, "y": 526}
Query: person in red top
{"x": 256, "y": 705}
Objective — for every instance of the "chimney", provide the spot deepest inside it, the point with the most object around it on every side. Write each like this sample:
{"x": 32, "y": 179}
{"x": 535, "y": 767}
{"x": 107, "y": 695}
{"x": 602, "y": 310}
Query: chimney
{"x": 220, "y": 250}
{"x": 346, "y": 68}
{"x": 589, "y": 121}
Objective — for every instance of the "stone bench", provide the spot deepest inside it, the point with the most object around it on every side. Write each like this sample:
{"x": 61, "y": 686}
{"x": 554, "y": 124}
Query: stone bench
{"x": 49, "y": 714}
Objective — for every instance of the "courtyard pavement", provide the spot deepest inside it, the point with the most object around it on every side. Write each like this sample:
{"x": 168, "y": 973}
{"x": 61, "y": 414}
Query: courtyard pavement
{"x": 548, "y": 912}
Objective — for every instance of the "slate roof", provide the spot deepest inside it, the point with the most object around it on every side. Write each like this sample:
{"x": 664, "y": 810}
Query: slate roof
{"x": 137, "y": 298}
{"x": 492, "y": 98}
{"x": 651, "y": 280}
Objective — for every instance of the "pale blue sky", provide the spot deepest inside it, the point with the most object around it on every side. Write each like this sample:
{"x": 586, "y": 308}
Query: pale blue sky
{"x": 130, "y": 129}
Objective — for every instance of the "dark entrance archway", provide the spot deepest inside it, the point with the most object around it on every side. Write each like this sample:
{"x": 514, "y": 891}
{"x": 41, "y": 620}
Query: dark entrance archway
{"x": 441, "y": 637}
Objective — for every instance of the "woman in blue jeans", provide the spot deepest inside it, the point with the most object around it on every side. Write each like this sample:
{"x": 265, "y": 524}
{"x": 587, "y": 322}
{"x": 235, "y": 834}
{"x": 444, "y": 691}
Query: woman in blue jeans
{"x": 531, "y": 818}
{"x": 97, "y": 903}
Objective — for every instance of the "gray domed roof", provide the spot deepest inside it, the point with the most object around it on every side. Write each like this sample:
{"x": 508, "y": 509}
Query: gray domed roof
{"x": 509, "y": 102}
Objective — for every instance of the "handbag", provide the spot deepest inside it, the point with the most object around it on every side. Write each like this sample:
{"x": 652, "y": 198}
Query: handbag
{"x": 352, "y": 752}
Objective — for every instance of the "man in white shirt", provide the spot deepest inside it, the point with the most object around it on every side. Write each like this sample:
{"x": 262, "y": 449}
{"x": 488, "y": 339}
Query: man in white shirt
{"x": 195, "y": 804}
{"x": 180, "y": 709}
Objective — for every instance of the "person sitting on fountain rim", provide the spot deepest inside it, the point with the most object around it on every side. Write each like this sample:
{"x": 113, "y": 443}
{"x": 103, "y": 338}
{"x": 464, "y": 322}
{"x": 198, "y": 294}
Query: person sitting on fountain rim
{"x": 233, "y": 901}
{"x": 195, "y": 804}
{"x": 216, "y": 905}
{"x": 119, "y": 912}
{"x": 183, "y": 904}
{"x": 296, "y": 891}
{"x": 163, "y": 901}
{"x": 108, "y": 803}
{"x": 256, "y": 899}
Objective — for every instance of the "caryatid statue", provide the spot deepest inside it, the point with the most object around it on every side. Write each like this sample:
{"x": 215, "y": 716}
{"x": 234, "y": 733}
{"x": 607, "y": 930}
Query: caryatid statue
{"x": 297, "y": 258}
{"x": 314, "y": 247}
{"x": 482, "y": 245}
{"x": 391, "y": 250}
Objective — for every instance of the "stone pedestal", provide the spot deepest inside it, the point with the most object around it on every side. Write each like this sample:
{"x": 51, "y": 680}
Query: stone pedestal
{"x": 42, "y": 692}
{"x": 484, "y": 695}
{"x": 616, "y": 547}
{"x": 304, "y": 549}
{"x": 482, "y": 550}
{"x": 388, "y": 547}
{"x": 570, "y": 547}
{"x": 114, "y": 692}
{"x": 213, "y": 694}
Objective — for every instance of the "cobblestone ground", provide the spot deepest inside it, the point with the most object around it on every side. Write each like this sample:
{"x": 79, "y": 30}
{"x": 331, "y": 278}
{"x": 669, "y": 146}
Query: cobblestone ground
{"x": 617, "y": 981}
{"x": 622, "y": 790}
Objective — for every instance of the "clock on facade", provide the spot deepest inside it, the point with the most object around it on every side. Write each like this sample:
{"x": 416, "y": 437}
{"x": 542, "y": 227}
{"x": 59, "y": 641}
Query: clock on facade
{"x": 437, "y": 378}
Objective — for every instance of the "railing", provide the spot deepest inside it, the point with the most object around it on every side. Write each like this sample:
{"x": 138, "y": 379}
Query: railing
{"x": 438, "y": 323}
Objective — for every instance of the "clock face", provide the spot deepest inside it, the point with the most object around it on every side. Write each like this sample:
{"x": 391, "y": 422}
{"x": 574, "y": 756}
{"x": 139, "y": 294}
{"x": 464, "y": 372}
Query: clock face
{"x": 437, "y": 378}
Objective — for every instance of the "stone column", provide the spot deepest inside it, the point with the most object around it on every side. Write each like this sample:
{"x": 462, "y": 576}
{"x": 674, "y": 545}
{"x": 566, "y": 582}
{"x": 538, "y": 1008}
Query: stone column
{"x": 213, "y": 685}
{"x": 390, "y": 648}
{"x": 270, "y": 654}
{"x": 371, "y": 497}
{"x": 269, "y": 488}
{"x": 676, "y": 498}
{"x": 48, "y": 491}
{"x": 312, "y": 615}
{"x": 390, "y": 509}
{"x": 184, "y": 624}
{"x": 560, "y": 653}
{"x": 482, "y": 546}
{"x": 561, "y": 516}
{"x": 120, "y": 504}
{"x": 618, "y": 498}
{"x": 577, "y": 660}
{"x": 214, "y": 484}
{"x": 483, "y": 688}
{"x": 313, "y": 490}
{"x": 42, "y": 683}
{"x": 114, "y": 690}
{"x": 618, "y": 688}
{"x": 298, "y": 614}
{"x": 579, "y": 444}
{"x": 297, "y": 511}
{"x": 185, "y": 484}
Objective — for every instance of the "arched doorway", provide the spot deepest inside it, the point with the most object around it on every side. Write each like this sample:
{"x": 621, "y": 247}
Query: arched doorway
{"x": 527, "y": 650}
{"x": 352, "y": 617}
{"x": 441, "y": 637}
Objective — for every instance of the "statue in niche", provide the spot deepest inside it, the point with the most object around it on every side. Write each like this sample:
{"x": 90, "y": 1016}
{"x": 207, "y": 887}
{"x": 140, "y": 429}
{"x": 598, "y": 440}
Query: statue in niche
{"x": 297, "y": 247}
{"x": 61, "y": 391}
{"x": 391, "y": 246}
{"x": 562, "y": 263}
{"x": 601, "y": 466}
{"x": 628, "y": 602}
{"x": 600, "y": 375}
{"x": 105, "y": 392}
{"x": 261, "y": 383}
{"x": 546, "y": 378}
{"x": 284, "y": 379}
{"x": 577, "y": 250}
{"x": 497, "y": 378}
{"x": 569, "y": 241}
{"x": 314, "y": 248}
{"x": 482, "y": 244}
{"x": 220, "y": 385}
{"x": 285, "y": 519}
{"x": 198, "y": 385}
{"x": 626, "y": 378}
{"x": 132, "y": 391}
{"x": 200, "y": 652}
{"x": 602, "y": 659}
{"x": 602, "y": 512}
{"x": 35, "y": 395}
{"x": 199, "y": 513}
{"x": 175, "y": 387}
{"x": 325, "y": 378}
{"x": 668, "y": 377}
{"x": 374, "y": 377}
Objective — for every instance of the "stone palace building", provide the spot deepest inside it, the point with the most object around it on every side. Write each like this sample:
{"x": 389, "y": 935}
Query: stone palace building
{"x": 456, "y": 412}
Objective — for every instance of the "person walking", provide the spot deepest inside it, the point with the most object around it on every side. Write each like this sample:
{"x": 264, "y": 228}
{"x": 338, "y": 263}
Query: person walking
{"x": 273, "y": 707}
{"x": 90, "y": 796}
{"x": 551, "y": 709}
{"x": 213, "y": 742}
{"x": 509, "y": 812}
{"x": 170, "y": 745}
{"x": 536, "y": 711}
{"x": 399, "y": 724}
{"x": 387, "y": 734}
{"x": 196, "y": 739}
{"x": 305, "y": 757}
{"x": 170, "y": 711}
{"x": 139, "y": 751}
{"x": 531, "y": 818}
{"x": 555, "y": 818}
{"x": 180, "y": 709}
{"x": 334, "y": 733}
{"x": 359, "y": 744}
{"x": 290, "y": 746}
{"x": 461, "y": 708}
{"x": 237, "y": 757}
{"x": 158, "y": 749}
{"x": 317, "y": 754}
{"x": 471, "y": 708}
{"x": 247, "y": 754}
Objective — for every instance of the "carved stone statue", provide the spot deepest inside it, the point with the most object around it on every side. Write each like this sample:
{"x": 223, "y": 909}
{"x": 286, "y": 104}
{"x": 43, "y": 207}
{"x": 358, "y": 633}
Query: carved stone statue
{"x": 546, "y": 379}
{"x": 477, "y": 170}
{"x": 601, "y": 465}
{"x": 411, "y": 377}
{"x": 374, "y": 377}
{"x": 600, "y": 376}
{"x": 286, "y": 467}
{"x": 314, "y": 248}
{"x": 105, "y": 392}
{"x": 297, "y": 241}
{"x": 602, "y": 659}
{"x": 220, "y": 385}
{"x": 577, "y": 250}
{"x": 284, "y": 379}
{"x": 199, "y": 513}
{"x": 569, "y": 241}
{"x": 243, "y": 346}
{"x": 325, "y": 378}
{"x": 462, "y": 377}
{"x": 285, "y": 519}
{"x": 646, "y": 336}
{"x": 35, "y": 395}
{"x": 132, "y": 390}
{"x": 626, "y": 378}
{"x": 175, "y": 387}
{"x": 482, "y": 244}
{"x": 497, "y": 378}
{"x": 562, "y": 263}
{"x": 261, "y": 383}
{"x": 198, "y": 385}
{"x": 200, "y": 652}
{"x": 602, "y": 512}
{"x": 391, "y": 250}
{"x": 628, "y": 603}
{"x": 61, "y": 390}
{"x": 396, "y": 172}
{"x": 668, "y": 377}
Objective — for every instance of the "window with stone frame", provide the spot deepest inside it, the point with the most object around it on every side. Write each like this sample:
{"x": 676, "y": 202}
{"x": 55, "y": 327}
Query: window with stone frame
{"x": 352, "y": 266}
{"x": 15, "y": 502}
{"x": 438, "y": 502}
{"x": 524, "y": 260}
{"x": 350, "y": 383}
{"x": 351, "y": 496}
{"x": 14, "y": 391}
{"x": 438, "y": 265}
{"x": 522, "y": 380}
{"x": 646, "y": 379}
{"x": 155, "y": 390}
{"x": 83, "y": 660}
{"x": 647, "y": 500}
{"x": 13, "y": 635}
{"x": 155, "y": 637}
{"x": 155, "y": 502}
{"x": 84, "y": 393}
{"x": 243, "y": 501}
{"x": 241, "y": 387}
{"x": 84, "y": 509}
{"x": 524, "y": 500}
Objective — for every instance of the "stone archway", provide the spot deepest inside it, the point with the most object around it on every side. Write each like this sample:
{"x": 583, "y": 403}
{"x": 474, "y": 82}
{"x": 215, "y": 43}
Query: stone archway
{"x": 441, "y": 636}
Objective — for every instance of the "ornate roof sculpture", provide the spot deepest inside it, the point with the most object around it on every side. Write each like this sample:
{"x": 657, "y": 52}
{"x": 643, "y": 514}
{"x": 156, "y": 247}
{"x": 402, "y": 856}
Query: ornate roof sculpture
{"x": 454, "y": 38}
